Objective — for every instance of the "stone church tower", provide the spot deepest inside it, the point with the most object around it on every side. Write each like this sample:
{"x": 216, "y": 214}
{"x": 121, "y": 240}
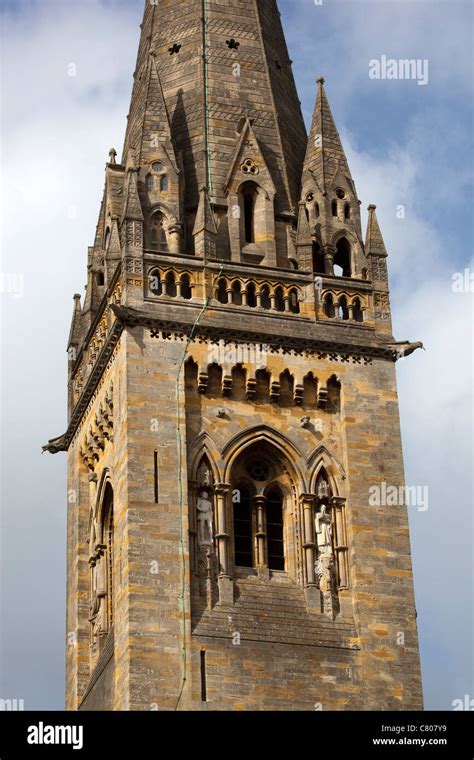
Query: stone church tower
{"x": 232, "y": 399}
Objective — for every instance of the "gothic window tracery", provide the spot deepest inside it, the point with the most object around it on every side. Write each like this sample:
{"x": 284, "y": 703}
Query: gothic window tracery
{"x": 158, "y": 238}
{"x": 259, "y": 511}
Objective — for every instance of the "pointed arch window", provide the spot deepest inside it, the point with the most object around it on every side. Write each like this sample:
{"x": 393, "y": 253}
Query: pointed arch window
{"x": 318, "y": 259}
{"x": 334, "y": 208}
{"x": 265, "y": 297}
{"x": 164, "y": 184}
{"x": 329, "y": 306}
{"x": 221, "y": 294}
{"x": 274, "y": 515}
{"x": 243, "y": 540}
{"x": 249, "y": 215}
{"x": 357, "y": 312}
{"x": 342, "y": 259}
{"x": 280, "y": 299}
{"x": 186, "y": 289}
{"x": 294, "y": 301}
{"x": 343, "y": 310}
{"x": 154, "y": 280}
{"x": 347, "y": 211}
{"x": 158, "y": 239}
{"x": 150, "y": 183}
{"x": 251, "y": 295}
{"x": 259, "y": 512}
{"x": 170, "y": 281}
{"x": 237, "y": 293}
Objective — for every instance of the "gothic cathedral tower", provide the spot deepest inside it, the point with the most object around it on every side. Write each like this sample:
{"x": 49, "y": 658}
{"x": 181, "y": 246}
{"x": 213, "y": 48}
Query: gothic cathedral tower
{"x": 232, "y": 399}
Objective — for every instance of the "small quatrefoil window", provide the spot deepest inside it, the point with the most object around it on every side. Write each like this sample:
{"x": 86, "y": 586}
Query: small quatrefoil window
{"x": 249, "y": 167}
{"x": 174, "y": 49}
{"x": 232, "y": 44}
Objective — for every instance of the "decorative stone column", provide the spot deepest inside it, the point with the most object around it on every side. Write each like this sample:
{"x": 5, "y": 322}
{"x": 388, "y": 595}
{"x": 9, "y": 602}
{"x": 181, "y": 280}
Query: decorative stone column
{"x": 224, "y": 580}
{"x": 175, "y": 236}
{"x": 329, "y": 253}
{"x": 261, "y": 536}
{"x": 309, "y": 552}
{"x": 340, "y": 542}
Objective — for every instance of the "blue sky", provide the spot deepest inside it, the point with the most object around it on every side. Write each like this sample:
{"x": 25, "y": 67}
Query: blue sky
{"x": 406, "y": 144}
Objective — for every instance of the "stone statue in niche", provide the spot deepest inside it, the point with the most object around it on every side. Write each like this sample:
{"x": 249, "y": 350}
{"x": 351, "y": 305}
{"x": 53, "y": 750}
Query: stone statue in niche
{"x": 98, "y": 613}
{"x": 324, "y": 532}
{"x": 204, "y": 516}
{"x": 324, "y": 565}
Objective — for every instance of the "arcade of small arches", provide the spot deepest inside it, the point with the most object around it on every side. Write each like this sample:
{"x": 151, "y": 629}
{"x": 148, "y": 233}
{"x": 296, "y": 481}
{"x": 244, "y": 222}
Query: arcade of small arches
{"x": 342, "y": 306}
{"x": 170, "y": 283}
{"x": 263, "y": 387}
{"x": 257, "y": 515}
{"x": 258, "y": 295}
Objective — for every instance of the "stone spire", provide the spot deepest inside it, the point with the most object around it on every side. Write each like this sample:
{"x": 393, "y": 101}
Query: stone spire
{"x": 330, "y": 199}
{"x": 75, "y": 334}
{"x": 245, "y": 70}
{"x": 149, "y": 120}
{"x": 375, "y": 251}
{"x": 325, "y": 155}
{"x": 374, "y": 242}
{"x": 205, "y": 229}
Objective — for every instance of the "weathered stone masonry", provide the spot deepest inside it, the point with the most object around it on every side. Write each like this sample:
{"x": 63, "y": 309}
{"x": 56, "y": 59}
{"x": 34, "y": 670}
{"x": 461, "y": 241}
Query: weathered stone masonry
{"x": 232, "y": 397}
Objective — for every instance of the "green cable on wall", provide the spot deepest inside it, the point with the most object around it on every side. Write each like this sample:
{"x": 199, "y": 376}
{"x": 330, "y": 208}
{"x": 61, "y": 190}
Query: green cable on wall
{"x": 196, "y": 324}
{"x": 181, "y": 365}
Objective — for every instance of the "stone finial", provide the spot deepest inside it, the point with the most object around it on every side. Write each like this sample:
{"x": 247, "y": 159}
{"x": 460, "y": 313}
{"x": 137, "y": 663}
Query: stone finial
{"x": 112, "y": 156}
{"x": 320, "y": 80}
